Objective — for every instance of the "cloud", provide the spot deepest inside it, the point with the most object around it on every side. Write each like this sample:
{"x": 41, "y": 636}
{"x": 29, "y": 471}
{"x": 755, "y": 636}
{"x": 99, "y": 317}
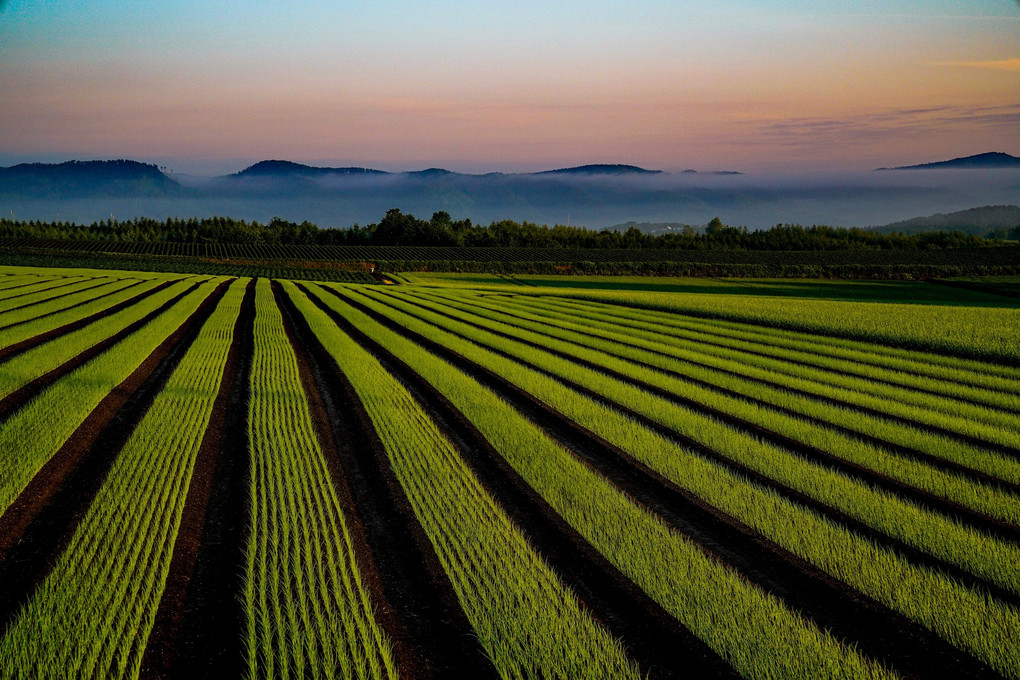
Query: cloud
{"x": 994, "y": 65}
{"x": 890, "y": 124}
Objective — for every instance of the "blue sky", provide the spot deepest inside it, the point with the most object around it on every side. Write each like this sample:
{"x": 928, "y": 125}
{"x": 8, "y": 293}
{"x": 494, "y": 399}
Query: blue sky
{"x": 513, "y": 85}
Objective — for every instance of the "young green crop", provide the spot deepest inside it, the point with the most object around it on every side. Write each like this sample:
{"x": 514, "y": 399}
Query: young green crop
{"x": 36, "y": 431}
{"x": 908, "y": 380}
{"x": 968, "y": 331}
{"x": 66, "y": 300}
{"x": 926, "y": 409}
{"x": 14, "y": 296}
{"x": 308, "y": 613}
{"x": 92, "y": 615}
{"x": 43, "y": 358}
{"x": 618, "y": 352}
{"x": 932, "y": 407}
{"x": 974, "y": 374}
{"x": 751, "y": 629}
{"x": 30, "y": 329}
{"x": 499, "y": 579}
{"x": 927, "y": 596}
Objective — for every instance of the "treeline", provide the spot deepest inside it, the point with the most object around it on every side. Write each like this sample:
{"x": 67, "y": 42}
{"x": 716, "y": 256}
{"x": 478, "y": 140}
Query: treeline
{"x": 400, "y": 229}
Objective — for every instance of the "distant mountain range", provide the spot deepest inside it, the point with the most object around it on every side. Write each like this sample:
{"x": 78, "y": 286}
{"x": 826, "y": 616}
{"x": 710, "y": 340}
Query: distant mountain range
{"x": 596, "y": 196}
{"x": 982, "y": 161}
{"x": 975, "y": 221}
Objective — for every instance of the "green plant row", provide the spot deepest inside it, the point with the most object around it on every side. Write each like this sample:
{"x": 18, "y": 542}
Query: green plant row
{"x": 989, "y": 424}
{"x": 965, "y": 617}
{"x": 617, "y": 350}
{"x": 16, "y": 296}
{"x": 906, "y": 381}
{"x": 970, "y": 332}
{"x": 35, "y": 327}
{"x": 934, "y": 394}
{"x": 43, "y": 358}
{"x": 32, "y": 298}
{"x": 33, "y": 433}
{"x": 528, "y": 622}
{"x": 308, "y": 613}
{"x": 911, "y": 362}
{"x": 884, "y": 511}
{"x": 91, "y": 616}
{"x": 751, "y": 629}
{"x": 15, "y": 279}
{"x": 68, "y": 299}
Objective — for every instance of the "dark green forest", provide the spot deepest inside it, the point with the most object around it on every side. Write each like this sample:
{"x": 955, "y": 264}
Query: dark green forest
{"x": 402, "y": 229}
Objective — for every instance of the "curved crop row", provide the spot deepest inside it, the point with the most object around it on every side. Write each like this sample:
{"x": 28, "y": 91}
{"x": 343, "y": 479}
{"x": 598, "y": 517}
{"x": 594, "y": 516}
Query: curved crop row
{"x": 619, "y": 353}
{"x": 751, "y": 629}
{"x": 965, "y": 617}
{"x": 499, "y": 579}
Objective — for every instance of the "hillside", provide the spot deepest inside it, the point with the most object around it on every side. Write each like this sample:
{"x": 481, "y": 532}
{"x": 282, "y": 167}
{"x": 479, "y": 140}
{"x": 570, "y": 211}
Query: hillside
{"x": 982, "y": 161}
{"x": 86, "y": 179}
{"x": 975, "y": 221}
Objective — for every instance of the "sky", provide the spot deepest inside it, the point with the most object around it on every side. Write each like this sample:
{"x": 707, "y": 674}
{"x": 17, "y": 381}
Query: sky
{"x": 209, "y": 86}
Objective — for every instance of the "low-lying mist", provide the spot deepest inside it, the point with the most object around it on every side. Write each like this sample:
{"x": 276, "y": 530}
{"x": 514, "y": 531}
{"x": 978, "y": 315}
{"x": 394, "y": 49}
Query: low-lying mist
{"x": 592, "y": 200}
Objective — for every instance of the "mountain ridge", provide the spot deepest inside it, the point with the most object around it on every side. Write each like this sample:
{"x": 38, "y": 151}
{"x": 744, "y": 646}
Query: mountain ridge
{"x": 982, "y": 161}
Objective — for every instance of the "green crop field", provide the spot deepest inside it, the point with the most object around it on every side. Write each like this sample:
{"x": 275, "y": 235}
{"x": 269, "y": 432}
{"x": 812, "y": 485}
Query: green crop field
{"x": 242, "y": 473}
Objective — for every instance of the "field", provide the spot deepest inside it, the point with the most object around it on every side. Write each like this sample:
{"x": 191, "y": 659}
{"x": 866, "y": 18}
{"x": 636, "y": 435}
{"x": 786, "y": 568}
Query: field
{"x": 507, "y": 476}
{"x": 355, "y": 264}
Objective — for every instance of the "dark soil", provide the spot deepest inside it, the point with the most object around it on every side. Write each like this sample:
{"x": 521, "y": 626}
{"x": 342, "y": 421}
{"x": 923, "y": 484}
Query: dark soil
{"x": 200, "y": 622}
{"x": 37, "y": 527}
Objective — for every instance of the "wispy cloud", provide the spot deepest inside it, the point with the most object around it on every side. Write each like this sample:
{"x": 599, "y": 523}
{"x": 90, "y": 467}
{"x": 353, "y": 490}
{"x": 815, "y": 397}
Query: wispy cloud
{"x": 895, "y": 123}
{"x": 994, "y": 65}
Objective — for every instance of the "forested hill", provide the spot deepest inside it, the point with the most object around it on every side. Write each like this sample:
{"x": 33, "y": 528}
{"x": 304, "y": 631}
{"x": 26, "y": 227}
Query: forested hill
{"x": 995, "y": 221}
{"x": 86, "y": 178}
{"x": 401, "y": 229}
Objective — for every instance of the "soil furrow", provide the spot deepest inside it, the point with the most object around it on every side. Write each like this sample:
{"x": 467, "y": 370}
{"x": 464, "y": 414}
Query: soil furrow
{"x": 660, "y": 645}
{"x": 976, "y": 519}
{"x": 22, "y": 396}
{"x": 916, "y": 454}
{"x": 913, "y": 554}
{"x": 11, "y": 351}
{"x": 849, "y": 614}
{"x": 199, "y": 624}
{"x": 39, "y": 524}
{"x": 414, "y": 600}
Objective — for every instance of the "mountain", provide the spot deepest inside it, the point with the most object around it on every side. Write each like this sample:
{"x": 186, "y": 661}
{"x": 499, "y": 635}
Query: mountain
{"x": 976, "y": 221}
{"x": 595, "y": 196}
{"x": 982, "y": 161}
{"x": 291, "y": 169}
{"x": 599, "y": 169}
{"x": 86, "y": 179}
